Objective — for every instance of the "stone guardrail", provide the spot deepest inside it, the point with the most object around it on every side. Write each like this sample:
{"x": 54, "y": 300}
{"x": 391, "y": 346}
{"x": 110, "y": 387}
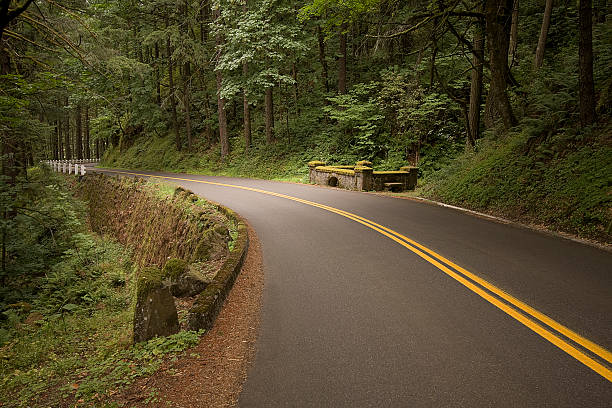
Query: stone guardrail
{"x": 362, "y": 177}
{"x": 209, "y": 302}
{"x": 76, "y": 166}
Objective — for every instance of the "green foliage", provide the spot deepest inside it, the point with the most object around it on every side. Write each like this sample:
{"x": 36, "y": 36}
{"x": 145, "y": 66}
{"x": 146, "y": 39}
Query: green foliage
{"x": 358, "y": 119}
{"x": 562, "y": 180}
{"x": 259, "y": 38}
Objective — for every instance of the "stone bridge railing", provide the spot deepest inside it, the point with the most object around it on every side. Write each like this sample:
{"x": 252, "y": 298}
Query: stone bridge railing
{"x": 362, "y": 177}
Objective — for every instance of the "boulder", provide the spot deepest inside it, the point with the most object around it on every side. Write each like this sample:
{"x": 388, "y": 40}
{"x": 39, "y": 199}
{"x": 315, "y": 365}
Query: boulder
{"x": 155, "y": 313}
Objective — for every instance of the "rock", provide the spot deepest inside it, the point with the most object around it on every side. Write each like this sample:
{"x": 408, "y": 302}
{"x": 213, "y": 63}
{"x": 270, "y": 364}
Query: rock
{"x": 182, "y": 279}
{"x": 155, "y": 313}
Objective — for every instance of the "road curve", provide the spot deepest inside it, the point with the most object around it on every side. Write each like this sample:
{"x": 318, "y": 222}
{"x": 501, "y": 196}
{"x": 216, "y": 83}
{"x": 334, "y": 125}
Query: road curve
{"x": 476, "y": 313}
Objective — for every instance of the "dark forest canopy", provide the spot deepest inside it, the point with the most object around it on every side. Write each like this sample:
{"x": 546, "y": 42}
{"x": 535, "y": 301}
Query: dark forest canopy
{"x": 79, "y": 76}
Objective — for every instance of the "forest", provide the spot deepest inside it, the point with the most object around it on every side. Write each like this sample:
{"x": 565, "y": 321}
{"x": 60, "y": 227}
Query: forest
{"x": 461, "y": 89}
{"x": 503, "y": 105}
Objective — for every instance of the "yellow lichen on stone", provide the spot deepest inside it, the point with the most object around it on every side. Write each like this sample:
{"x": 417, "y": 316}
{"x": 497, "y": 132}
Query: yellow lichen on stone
{"x": 315, "y": 163}
{"x": 328, "y": 169}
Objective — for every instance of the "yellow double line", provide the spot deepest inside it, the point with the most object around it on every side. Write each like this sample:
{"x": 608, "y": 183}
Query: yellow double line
{"x": 525, "y": 314}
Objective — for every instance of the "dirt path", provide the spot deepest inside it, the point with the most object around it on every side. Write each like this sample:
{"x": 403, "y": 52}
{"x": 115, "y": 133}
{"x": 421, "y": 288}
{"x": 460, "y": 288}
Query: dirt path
{"x": 212, "y": 373}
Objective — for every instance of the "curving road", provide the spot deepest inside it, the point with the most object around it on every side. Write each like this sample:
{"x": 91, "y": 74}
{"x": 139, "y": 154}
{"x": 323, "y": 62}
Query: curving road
{"x": 375, "y": 301}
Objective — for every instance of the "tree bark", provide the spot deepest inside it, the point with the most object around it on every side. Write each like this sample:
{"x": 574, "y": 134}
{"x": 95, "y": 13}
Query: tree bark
{"x": 269, "y": 111}
{"x": 295, "y": 88}
{"x": 246, "y": 111}
{"x": 342, "y": 61}
{"x": 67, "y": 133}
{"x": 157, "y": 76}
{"x": 585, "y": 54}
{"x": 223, "y": 138}
{"x": 55, "y": 141}
{"x": 476, "y": 86}
{"x": 78, "y": 132}
{"x": 187, "y": 103}
{"x": 207, "y": 128}
{"x": 498, "y": 21}
{"x": 60, "y": 141}
{"x": 514, "y": 33}
{"x": 87, "y": 142}
{"x": 322, "y": 60}
{"x": 539, "y": 55}
{"x": 175, "y": 124}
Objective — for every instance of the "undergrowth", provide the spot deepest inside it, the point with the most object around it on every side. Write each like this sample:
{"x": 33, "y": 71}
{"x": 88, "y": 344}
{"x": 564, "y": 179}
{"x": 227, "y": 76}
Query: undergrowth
{"x": 561, "y": 179}
{"x": 66, "y": 321}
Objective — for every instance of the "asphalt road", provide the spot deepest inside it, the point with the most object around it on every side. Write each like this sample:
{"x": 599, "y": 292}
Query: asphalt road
{"x": 354, "y": 318}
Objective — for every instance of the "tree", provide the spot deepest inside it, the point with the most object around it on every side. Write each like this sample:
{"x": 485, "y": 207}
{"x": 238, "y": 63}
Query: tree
{"x": 498, "y": 22}
{"x": 585, "y": 52}
{"x": 220, "y": 99}
{"x": 8, "y": 14}
{"x": 476, "y": 86}
{"x": 539, "y": 55}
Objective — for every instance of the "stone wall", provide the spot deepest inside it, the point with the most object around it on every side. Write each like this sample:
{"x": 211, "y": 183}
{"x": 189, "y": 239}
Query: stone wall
{"x": 362, "y": 177}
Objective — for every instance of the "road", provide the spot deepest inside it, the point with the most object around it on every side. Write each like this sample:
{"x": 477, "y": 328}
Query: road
{"x": 373, "y": 301}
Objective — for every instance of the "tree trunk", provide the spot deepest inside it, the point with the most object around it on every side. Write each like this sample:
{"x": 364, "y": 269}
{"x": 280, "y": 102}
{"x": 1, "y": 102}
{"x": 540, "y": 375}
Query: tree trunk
{"x": 175, "y": 124}
{"x": 97, "y": 151}
{"x": 295, "y": 88}
{"x": 269, "y": 108}
{"x": 187, "y": 103}
{"x": 585, "y": 53}
{"x": 55, "y": 143}
{"x": 247, "y": 112}
{"x": 539, "y": 56}
{"x": 78, "y": 132}
{"x": 342, "y": 61}
{"x": 514, "y": 33}
{"x": 67, "y": 133}
{"x": 87, "y": 144}
{"x": 207, "y": 128}
{"x": 60, "y": 142}
{"x": 476, "y": 86}
{"x": 157, "y": 76}
{"x": 498, "y": 21}
{"x": 223, "y": 138}
{"x": 322, "y": 59}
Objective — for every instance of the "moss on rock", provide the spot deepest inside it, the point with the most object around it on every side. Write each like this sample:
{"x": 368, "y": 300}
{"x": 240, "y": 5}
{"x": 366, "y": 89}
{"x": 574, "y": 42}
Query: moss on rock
{"x": 315, "y": 163}
{"x": 365, "y": 163}
{"x": 150, "y": 278}
{"x": 174, "y": 268}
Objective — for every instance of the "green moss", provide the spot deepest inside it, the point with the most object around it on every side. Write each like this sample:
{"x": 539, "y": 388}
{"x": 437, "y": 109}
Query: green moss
{"x": 409, "y": 168}
{"x": 365, "y": 163}
{"x": 390, "y": 172}
{"x": 149, "y": 278}
{"x": 327, "y": 169}
{"x": 174, "y": 268}
{"x": 315, "y": 163}
{"x": 361, "y": 169}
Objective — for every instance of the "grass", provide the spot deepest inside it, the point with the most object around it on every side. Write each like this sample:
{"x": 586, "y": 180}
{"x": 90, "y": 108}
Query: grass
{"x": 156, "y": 153}
{"x": 562, "y": 182}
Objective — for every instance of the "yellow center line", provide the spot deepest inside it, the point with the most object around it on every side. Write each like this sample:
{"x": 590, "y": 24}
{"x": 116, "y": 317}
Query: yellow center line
{"x": 438, "y": 260}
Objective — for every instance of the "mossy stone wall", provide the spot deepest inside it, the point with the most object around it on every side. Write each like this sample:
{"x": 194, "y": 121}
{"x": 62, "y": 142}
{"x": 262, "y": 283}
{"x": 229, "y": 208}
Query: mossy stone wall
{"x": 156, "y": 228}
